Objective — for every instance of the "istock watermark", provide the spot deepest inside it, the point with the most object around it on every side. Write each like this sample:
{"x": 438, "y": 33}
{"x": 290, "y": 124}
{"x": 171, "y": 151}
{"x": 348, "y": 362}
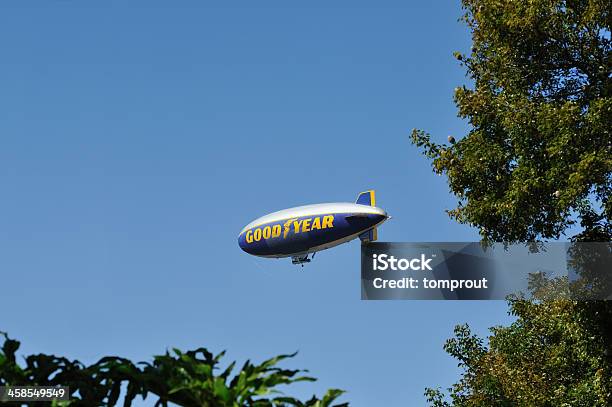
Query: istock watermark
{"x": 385, "y": 262}
{"x": 470, "y": 271}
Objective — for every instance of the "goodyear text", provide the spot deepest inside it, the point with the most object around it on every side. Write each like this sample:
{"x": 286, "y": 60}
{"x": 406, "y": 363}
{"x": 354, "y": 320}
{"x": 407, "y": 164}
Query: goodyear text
{"x": 293, "y": 225}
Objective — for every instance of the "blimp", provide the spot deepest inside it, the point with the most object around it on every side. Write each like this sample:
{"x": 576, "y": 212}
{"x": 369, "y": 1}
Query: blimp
{"x": 303, "y": 231}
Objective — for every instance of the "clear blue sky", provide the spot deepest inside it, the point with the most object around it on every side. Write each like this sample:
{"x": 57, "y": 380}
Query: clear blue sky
{"x": 136, "y": 141}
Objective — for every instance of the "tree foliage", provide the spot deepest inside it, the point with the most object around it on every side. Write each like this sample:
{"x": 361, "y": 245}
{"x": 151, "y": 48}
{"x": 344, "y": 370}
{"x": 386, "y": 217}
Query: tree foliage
{"x": 187, "y": 379}
{"x": 540, "y": 146}
{"x": 554, "y": 354}
{"x": 536, "y": 160}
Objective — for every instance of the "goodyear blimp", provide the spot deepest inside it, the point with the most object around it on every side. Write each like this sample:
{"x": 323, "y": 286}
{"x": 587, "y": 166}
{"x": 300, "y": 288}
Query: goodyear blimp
{"x": 305, "y": 230}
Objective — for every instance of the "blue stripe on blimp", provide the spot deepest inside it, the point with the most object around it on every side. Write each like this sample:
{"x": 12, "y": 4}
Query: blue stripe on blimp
{"x": 299, "y": 234}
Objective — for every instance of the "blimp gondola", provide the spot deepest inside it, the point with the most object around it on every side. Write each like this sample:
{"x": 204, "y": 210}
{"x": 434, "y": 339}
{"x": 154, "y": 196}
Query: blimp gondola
{"x": 301, "y": 232}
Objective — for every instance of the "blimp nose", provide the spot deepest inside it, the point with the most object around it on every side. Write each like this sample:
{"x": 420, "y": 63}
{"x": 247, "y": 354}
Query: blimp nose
{"x": 243, "y": 243}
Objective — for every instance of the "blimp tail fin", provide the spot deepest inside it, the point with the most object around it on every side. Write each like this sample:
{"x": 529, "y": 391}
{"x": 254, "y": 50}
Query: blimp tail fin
{"x": 367, "y": 198}
{"x": 369, "y": 236}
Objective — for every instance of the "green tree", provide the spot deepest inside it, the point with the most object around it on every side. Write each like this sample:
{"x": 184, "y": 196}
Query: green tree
{"x": 540, "y": 146}
{"x": 536, "y": 161}
{"x": 554, "y": 354}
{"x": 187, "y": 379}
